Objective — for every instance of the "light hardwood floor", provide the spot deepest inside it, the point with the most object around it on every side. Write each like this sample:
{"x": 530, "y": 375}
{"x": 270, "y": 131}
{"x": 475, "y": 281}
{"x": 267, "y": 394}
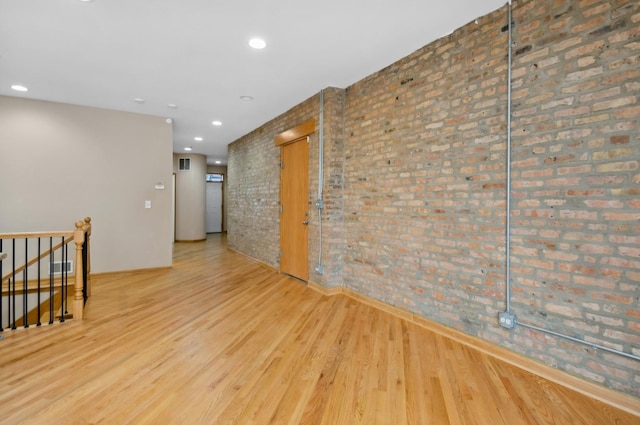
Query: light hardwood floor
{"x": 220, "y": 339}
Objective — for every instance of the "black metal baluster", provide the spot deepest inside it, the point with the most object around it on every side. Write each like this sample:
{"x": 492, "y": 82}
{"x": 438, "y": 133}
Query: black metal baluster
{"x": 66, "y": 283}
{"x": 85, "y": 271}
{"x": 51, "y": 261}
{"x": 63, "y": 280}
{"x": 9, "y": 303}
{"x": 13, "y": 282}
{"x": 39, "y": 279}
{"x": 1, "y": 297}
{"x": 25, "y": 285}
{"x": 65, "y": 277}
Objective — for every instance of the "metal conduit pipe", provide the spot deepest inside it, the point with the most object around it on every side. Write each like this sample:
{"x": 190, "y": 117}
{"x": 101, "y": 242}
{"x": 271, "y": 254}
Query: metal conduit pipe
{"x": 320, "y": 201}
{"x": 508, "y": 223}
{"x": 507, "y": 319}
{"x": 581, "y": 341}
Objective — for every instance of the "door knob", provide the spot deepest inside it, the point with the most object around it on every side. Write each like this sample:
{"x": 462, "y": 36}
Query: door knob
{"x": 305, "y": 222}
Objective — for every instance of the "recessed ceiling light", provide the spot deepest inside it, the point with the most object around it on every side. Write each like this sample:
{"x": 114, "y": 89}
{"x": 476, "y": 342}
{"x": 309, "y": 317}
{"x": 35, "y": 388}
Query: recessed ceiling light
{"x": 217, "y": 123}
{"x": 172, "y": 106}
{"x": 198, "y": 139}
{"x": 138, "y": 100}
{"x": 218, "y": 162}
{"x": 86, "y": 1}
{"x": 188, "y": 149}
{"x": 246, "y": 98}
{"x": 18, "y": 87}
{"x": 257, "y": 43}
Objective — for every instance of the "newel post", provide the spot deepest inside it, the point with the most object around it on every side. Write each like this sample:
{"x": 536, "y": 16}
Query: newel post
{"x": 78, "y": 299}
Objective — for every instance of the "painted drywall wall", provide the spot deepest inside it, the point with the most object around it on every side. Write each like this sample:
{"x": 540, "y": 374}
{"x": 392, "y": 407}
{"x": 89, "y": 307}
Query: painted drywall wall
{"x": 191, "y": 198}
{"x": 60, "y": 163}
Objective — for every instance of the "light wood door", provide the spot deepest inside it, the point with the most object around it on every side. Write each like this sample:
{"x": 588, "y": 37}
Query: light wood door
{"x": 294, "y": 216}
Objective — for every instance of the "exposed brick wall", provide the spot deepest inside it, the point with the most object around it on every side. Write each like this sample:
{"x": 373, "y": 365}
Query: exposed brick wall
{"x": 254, "y": 189}
{"x": 425, "y": 179}
{"x": 576, "y": 233}
{"x": 423, "y": 189}
{"x": 425, "y": 183}
{"x": 252, "y": 186}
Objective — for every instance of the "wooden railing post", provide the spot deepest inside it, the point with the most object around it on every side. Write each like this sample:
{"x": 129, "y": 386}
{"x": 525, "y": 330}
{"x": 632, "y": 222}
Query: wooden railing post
{"x": 87, "y": 229}
{"x": 78, "y": 299}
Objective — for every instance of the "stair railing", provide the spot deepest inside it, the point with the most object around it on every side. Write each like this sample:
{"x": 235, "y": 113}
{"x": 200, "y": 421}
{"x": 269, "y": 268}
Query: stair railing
{"x": 35, "y": 268}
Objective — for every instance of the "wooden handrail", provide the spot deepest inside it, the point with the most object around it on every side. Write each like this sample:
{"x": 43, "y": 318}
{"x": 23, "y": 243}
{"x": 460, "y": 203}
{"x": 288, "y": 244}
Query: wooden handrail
{"x": 24, "y": 235}
{"x": 32, "y": 285}
{"x": 41, "y": 256}
{"x": 86, "y": 225}
{"x": 80, "y": 236}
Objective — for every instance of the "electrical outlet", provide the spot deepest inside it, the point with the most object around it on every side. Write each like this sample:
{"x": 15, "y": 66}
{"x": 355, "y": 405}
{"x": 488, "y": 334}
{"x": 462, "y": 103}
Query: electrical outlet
{"x": 507, "y": 320}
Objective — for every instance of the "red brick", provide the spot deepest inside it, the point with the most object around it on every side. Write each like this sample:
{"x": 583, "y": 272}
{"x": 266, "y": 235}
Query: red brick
{"x": 563, "y": 310}
{"x": 629, "y": 251}
{"x": 589, "y": 25}
{"x": 580, "y": 169}
{"x": 611, "y": 203}
{"x": 615, "y": 103}
{"x": 619, "y": 140}
{"x": 617, "y": 166}
{"x": 586, "y": 73}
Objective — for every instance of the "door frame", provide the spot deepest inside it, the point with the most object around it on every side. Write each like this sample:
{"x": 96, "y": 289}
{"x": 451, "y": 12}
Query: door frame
{"x": 173, "y": 205}
{"x": 221, "y": 203}
{"x": 294, "y": 134}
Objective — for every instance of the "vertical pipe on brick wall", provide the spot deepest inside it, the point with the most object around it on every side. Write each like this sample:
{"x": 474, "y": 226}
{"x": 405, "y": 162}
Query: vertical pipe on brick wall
{"x": 320, "y": 201}
{"x": 508, "y": 220}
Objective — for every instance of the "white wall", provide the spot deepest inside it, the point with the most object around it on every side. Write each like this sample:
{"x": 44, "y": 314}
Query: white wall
{"x": 60, "y": 163}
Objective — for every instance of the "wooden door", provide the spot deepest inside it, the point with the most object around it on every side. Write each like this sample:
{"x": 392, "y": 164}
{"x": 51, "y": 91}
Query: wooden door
{"x": 294, "y": 216}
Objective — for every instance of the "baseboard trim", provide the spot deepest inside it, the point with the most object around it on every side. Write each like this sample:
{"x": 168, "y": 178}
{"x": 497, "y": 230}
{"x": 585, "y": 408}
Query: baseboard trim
{"x": 133, "y": 271}
{"x": 606, "y": 395}
{"x": 189, "y": 240}
{"x": 255, "y": 260}
{"x": 323, "y": 290}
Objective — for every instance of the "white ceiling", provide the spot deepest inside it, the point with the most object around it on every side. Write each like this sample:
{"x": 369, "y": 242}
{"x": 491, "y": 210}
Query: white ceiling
{"x": 194, "y": 54}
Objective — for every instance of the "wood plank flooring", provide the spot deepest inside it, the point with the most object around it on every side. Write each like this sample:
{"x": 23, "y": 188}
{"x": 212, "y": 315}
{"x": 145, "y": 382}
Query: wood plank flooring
{"x": 220, "y": 339}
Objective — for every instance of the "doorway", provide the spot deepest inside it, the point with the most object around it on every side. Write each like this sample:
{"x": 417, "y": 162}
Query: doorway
{"x": 213, "y": 207}
{"x": 173, "y": 206}
{"x": 294, "y": 201}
